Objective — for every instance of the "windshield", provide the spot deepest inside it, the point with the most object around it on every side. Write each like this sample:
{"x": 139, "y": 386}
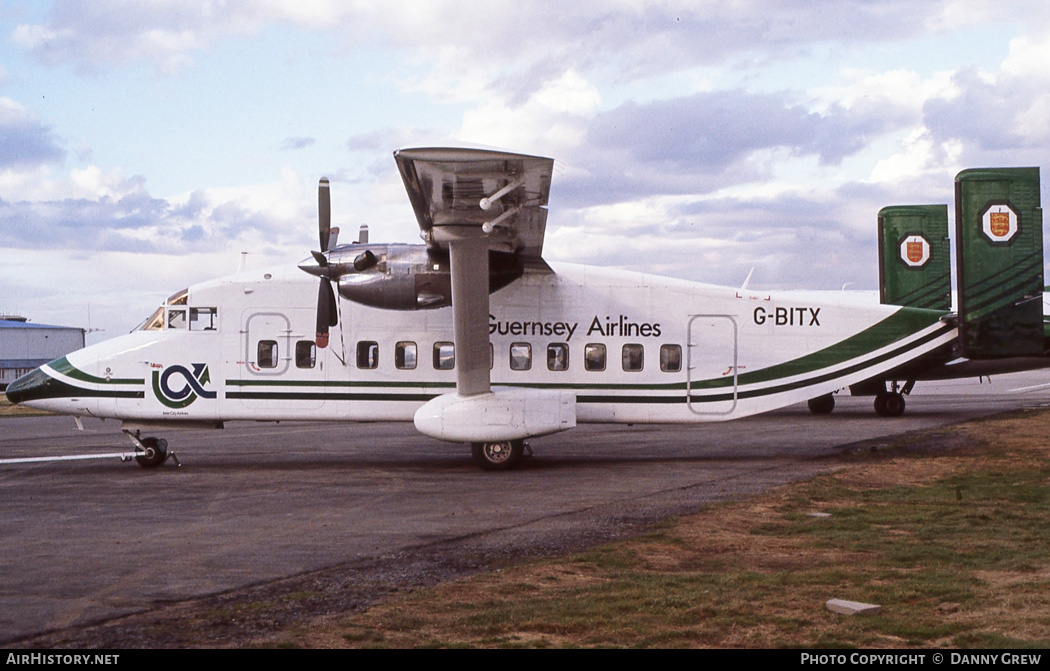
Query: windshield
{"x": 178, "y": 298}
{"x": 155, "y": 322}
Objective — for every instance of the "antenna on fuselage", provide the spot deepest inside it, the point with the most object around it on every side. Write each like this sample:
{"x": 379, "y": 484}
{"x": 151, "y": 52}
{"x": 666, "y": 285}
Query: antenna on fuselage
{"x": 747, "y": 280}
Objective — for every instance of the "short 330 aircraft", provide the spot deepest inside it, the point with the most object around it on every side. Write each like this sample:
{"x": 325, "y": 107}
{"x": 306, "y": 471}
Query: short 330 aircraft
{"x": 476, "y": 339}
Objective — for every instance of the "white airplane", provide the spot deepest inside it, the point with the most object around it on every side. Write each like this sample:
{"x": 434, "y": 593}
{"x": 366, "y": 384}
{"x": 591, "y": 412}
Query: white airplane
{"x": 476, "y": 339}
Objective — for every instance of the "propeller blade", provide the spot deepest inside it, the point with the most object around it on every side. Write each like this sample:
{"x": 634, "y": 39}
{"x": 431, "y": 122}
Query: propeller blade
{"x": 326, "y": 313}
{"x": 324, "y": 212}
{"x": 322, "y": 260}
{"x": 333, "y": 311}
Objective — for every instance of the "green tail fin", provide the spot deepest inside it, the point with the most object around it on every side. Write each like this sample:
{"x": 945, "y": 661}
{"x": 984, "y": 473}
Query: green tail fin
{"x": 999, "y": 240}
{"x": 914, "y": 263}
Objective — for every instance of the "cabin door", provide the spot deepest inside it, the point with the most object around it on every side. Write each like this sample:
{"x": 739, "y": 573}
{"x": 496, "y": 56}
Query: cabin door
{"x": 280, "y": 363}
{"x": 712, "y": 372}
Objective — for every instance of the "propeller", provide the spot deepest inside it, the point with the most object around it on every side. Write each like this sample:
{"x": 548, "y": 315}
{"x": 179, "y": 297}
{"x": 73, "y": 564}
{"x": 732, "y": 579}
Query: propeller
{"x": 327, "y": 315}
{"x": 324, "y": 212}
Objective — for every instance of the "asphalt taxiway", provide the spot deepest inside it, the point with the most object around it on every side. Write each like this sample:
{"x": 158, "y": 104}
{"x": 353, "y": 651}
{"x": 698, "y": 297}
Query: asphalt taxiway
{"x": 83, "y": 542}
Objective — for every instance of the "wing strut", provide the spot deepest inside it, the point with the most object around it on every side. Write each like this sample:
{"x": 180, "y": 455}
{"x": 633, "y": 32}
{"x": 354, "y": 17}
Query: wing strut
{"x": 469, "y": 261}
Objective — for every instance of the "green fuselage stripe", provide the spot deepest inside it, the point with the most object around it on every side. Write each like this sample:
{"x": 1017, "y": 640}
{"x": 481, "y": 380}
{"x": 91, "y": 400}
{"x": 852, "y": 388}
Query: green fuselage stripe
{"x": 827, "y": 376}
{"x": 63, "y": 366}
{"x": 903, "y": 323}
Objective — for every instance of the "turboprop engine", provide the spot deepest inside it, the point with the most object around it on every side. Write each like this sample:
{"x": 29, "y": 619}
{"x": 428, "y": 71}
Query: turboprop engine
{"x": 399, "y": 276}
{"x": 389, "y": 276}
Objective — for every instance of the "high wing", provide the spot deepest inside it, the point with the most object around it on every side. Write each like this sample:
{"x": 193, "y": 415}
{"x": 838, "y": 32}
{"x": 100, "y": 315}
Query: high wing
{"x": 470, "y": 191}
{"x": 473, "y": 203}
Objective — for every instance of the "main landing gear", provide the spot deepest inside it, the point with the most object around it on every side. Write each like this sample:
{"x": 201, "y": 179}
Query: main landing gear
{"x": 889, "y": 404}
{"x": 890, "y": 401}
{"x": 499, "y": 456}
{"x": 889, "y": 398}
{"x": 822, "y": 405}
{"x": 150, "y": 452}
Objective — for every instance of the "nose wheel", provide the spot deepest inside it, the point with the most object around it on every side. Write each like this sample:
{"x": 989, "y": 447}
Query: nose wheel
{"x": 151, "y": 452}
{"x": 154, "y": 454}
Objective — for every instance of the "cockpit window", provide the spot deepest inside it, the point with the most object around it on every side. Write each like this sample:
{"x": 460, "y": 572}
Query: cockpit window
{"x": 155, "y": 322}
{"x": 200, "y": 319}
{"x": 203, "y": 319}
{"x": 176, "y": 319}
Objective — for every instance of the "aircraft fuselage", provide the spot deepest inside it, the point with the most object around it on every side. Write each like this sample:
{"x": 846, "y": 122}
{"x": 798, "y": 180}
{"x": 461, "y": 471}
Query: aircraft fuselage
{"x": 629, "y": 347}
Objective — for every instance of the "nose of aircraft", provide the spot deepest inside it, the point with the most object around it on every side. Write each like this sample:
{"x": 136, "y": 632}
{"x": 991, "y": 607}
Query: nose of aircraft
{"x": 31, "y": 386}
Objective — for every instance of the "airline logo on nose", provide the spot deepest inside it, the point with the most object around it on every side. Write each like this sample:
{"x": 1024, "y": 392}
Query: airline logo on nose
{"x": 178, "y": 386}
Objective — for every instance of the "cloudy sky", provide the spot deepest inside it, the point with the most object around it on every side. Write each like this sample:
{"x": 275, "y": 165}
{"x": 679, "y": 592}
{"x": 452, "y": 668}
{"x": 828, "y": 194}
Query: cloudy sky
{"x": 145, "y": 145}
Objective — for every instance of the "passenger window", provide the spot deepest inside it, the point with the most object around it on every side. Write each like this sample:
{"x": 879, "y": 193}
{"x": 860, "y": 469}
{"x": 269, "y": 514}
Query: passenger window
{"x": 558, "y": 356}
{"x": 405, "y": 355}
{"x": 520, "y": 356}
{"x": 594, "y": 356}
{"x": 444, "y": 356}
{"x": 305, "y": 354}
{"x": 267, "y": 354}
{"x": 203, "y": 319}
{"x": 367, "y": 354}
{"x": 177, "y": 319}
{"x": 633, "y": 357}
{"x": 670, "y": 358}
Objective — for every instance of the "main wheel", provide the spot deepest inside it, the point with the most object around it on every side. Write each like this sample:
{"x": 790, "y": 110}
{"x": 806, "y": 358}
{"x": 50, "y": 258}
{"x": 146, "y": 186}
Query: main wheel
{"x": 499, "y": 456}
{"x": 155, "y": 454}
{"x": 822, "y": 405}
{"x": 889, "y": 404}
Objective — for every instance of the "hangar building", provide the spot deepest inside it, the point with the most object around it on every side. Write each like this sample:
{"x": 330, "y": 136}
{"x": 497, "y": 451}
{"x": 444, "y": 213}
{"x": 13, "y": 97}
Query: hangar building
{"x": 24, "y": 346}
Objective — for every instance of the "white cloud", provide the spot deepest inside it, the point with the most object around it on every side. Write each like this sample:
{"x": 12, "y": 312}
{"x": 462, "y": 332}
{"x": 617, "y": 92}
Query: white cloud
{"x": 1028, "y": 58}
{"x": 552, "y": 121}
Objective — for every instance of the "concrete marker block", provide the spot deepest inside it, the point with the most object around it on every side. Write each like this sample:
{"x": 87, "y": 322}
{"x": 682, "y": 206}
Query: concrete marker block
{"x": 843, "y": 607}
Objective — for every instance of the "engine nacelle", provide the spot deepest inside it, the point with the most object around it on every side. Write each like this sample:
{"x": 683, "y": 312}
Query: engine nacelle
{"x": 405, "y": 277}
{"x": 408, "y": 291}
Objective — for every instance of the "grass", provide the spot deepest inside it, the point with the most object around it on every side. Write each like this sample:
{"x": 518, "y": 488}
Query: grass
{"x": 952, "y": 543}
{"x": 8, "y": 409}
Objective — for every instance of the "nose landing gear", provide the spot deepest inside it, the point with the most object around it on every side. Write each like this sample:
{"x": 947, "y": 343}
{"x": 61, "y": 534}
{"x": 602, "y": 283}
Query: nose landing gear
{"x": 151, "y": 452}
